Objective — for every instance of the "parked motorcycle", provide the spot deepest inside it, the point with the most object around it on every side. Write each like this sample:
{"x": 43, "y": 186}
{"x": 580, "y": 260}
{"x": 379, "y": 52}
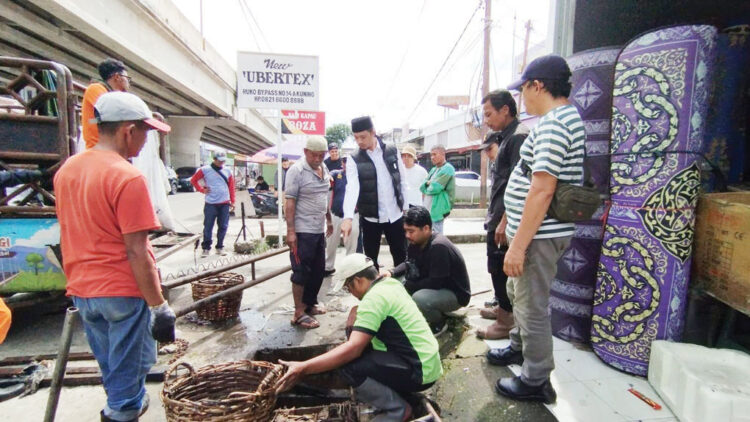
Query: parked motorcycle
{"x": 264, "y": 203}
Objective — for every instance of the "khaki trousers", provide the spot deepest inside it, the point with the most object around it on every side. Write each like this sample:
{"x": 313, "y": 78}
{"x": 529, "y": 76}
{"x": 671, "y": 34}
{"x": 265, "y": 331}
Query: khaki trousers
{"x": 529, "y": 295}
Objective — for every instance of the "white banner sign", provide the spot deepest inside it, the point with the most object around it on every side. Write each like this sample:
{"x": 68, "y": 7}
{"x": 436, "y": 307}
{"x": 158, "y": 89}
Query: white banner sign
{"x": 277, "y": 81}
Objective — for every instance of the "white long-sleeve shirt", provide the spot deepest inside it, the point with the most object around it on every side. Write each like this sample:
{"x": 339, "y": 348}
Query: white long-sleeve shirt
{"x": 415, "y": 176}
{"x": 388, "y": 209}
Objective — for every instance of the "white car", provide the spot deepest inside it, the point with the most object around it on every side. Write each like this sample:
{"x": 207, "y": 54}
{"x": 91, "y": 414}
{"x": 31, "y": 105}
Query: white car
{"x": 467, "y": 186}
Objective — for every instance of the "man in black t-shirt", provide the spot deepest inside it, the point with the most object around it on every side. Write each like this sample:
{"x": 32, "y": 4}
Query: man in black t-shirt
{"x": 434, "y": 271}
{"x": 333, "y": 162}
{"x": 262, "y": 186}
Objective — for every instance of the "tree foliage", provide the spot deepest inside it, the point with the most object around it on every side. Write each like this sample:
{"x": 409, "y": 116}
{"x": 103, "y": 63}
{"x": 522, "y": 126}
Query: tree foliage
{"x": 34, "y": 261}
{"x": 338, "y": 133}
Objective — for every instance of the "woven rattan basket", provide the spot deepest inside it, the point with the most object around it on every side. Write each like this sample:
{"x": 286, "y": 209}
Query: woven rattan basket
{"x": 234, "y": 391}
{"x": 338, "y": 412}
{"x": 225, "y": 308}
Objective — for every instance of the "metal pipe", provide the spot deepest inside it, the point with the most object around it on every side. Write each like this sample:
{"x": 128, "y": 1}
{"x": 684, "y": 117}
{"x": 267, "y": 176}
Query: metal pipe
{"x": 71, "y": 317}
{"x": 191, "y": 278}
{"x": 27, "y": 210}
{"x": 216, "y": 296}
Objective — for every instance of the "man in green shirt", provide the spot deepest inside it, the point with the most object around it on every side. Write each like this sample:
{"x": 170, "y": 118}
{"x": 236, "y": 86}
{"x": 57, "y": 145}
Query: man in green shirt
{"x": 439, "y": 188}
{"x": 391, "y": 350}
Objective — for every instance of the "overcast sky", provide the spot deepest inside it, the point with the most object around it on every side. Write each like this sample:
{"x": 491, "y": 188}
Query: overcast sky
{"x": 377, "y": 57}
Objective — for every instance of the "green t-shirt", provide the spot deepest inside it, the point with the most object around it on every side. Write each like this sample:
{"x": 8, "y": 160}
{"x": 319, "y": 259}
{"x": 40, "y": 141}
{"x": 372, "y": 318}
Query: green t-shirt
{"x": 389, "y": 314}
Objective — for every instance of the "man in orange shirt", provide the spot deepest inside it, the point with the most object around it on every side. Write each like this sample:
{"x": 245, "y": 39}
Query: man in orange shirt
{"x": 105, "y": 215}
{"x": 115, "y": 78}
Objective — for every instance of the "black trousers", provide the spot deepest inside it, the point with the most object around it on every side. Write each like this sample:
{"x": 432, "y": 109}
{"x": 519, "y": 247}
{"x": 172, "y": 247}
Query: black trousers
{"x": 386, "y": 368}
{"x": 394, "y": 234}
{"x": 309, "y": 264}
{"x": 495, "y": 259}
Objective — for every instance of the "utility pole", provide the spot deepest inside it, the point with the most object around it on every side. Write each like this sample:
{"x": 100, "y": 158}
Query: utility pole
{"x": 485, "y": 90}
{"x": 526, "y": 44}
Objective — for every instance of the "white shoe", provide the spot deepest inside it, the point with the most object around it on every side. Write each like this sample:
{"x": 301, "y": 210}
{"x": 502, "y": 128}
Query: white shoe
{"x": 220, "y": 252}
{"x": 205, "y": 253}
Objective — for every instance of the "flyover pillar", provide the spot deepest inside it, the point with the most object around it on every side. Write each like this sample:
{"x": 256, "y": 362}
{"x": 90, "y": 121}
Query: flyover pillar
{"x": 184, "y": 141}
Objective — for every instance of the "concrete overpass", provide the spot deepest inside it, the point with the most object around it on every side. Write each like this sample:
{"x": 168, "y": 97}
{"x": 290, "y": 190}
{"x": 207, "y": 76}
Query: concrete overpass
{"x": 172, "y": 67}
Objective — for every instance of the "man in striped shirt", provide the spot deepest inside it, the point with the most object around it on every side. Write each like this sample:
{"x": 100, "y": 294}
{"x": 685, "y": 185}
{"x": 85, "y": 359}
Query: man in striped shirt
{"x": 553, "y": 153}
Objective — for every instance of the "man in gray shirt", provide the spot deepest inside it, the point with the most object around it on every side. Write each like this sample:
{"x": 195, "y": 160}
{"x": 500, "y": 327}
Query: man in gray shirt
{"x": 308, "y": 220}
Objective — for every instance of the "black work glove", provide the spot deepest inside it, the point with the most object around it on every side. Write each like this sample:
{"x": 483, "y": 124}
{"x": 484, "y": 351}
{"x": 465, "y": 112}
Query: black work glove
{"x": 162, "y": 322}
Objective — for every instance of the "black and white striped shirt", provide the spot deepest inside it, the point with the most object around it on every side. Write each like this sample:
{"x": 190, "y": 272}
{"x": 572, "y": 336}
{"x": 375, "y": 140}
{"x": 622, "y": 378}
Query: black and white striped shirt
{"x": 555, "y": 146}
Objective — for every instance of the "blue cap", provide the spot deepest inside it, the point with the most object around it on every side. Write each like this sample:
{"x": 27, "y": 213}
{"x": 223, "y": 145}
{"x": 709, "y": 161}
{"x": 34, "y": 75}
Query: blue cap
{"x": 551, "y": 66}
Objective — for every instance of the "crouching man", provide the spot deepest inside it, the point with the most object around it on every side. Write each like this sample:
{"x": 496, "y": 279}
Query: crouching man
{"x": 390, "y": 351}
{"x": 434, "y": 271}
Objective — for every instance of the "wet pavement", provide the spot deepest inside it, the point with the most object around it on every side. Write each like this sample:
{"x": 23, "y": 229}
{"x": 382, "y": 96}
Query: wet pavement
{"x": 465, "y": 392}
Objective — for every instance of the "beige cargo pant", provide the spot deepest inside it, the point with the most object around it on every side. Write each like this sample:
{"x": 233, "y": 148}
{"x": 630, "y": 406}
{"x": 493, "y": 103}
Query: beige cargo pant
{"x": 529, "y": 295}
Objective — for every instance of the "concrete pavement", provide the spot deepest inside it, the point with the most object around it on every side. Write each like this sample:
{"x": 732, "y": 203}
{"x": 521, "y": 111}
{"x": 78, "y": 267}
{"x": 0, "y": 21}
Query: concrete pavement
{"x": 465, "y": 392}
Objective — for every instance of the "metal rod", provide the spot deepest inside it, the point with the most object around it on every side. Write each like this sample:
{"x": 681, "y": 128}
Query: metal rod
{"x": 62, "y": 361}
{"x": 216, "y": 296}
{"x": 191, "y": 278}
{"x": 27, "y": 210}
{"x": 174, "y": 248}
{"x": 244, "y": 228}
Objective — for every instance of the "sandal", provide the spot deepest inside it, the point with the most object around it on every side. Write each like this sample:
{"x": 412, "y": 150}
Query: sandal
{"x": 306, "y": 321}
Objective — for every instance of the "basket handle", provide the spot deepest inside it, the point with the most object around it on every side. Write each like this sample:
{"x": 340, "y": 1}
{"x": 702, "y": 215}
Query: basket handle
{"x": 174, "y": 367}
{"x": 279, "y": 369}
{"x": 241, "y": 394}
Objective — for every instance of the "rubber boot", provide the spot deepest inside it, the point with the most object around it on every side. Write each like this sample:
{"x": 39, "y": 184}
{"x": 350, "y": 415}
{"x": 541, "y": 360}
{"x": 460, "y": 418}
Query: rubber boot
{"x": 393, "y": 407}
{"x": 505, "y": 318}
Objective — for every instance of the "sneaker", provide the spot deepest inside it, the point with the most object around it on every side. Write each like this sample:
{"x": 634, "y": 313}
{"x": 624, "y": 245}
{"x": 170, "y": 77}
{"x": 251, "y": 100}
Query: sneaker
{"x": 491, "y": 303}
{"x": 144, "y": 404}
{"x": 220, "y": 252}
{"x": 205, "y": 253}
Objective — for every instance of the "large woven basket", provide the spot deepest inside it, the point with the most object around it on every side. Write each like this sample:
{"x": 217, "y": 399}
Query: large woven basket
{"x": 225, "y": 308}
{"x": 234, "y": 391}
{"x": 338, "y": 412}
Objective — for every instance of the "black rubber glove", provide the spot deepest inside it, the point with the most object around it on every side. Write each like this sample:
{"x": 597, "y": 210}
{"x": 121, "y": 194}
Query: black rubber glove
{"x": 162, "y": 322}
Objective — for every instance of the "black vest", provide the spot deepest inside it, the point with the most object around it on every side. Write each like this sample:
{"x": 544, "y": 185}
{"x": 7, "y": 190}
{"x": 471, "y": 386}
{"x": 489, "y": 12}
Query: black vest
{"x": 367, "y": 203}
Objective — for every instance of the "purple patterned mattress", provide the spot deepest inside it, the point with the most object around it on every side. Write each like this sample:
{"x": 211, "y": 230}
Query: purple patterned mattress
{"x": 572, "y": 290}
{"x": 661, "y": 91}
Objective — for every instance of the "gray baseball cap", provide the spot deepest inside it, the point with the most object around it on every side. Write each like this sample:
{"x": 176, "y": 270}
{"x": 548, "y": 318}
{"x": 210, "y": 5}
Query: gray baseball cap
{"x": 125, "y": 107}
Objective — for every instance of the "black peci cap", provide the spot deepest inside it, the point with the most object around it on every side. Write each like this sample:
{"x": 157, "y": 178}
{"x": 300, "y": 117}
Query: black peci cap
{"x": 361, "y": 124}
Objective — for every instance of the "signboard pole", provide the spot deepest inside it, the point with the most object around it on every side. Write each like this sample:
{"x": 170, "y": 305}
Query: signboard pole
{"x": 279, "y": 172}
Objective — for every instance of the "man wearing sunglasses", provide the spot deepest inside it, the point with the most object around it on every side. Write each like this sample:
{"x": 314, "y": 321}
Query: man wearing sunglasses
{"x": 115, "y": 78}
{"x": 390, "y": 352}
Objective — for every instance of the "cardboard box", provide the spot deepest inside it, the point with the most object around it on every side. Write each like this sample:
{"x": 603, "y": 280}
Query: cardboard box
{"x": 721, "y": 261}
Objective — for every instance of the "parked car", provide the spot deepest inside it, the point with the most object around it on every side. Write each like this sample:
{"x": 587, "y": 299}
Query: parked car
{"x": 467, "y": 185}
{"x": 173, "y": 180}
{"x": 183, "y": 178}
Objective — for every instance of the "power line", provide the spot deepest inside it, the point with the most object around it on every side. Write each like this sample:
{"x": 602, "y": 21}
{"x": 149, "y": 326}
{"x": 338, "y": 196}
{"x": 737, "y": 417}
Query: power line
{"x": 403, "y": 58}
{"x": 444, "y": 62}
{"x": 249, "y": 25}
{"x": 257, "y": 25}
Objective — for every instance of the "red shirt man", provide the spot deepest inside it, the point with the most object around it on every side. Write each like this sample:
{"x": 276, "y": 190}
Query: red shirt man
{"x": 105, "y": 215}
